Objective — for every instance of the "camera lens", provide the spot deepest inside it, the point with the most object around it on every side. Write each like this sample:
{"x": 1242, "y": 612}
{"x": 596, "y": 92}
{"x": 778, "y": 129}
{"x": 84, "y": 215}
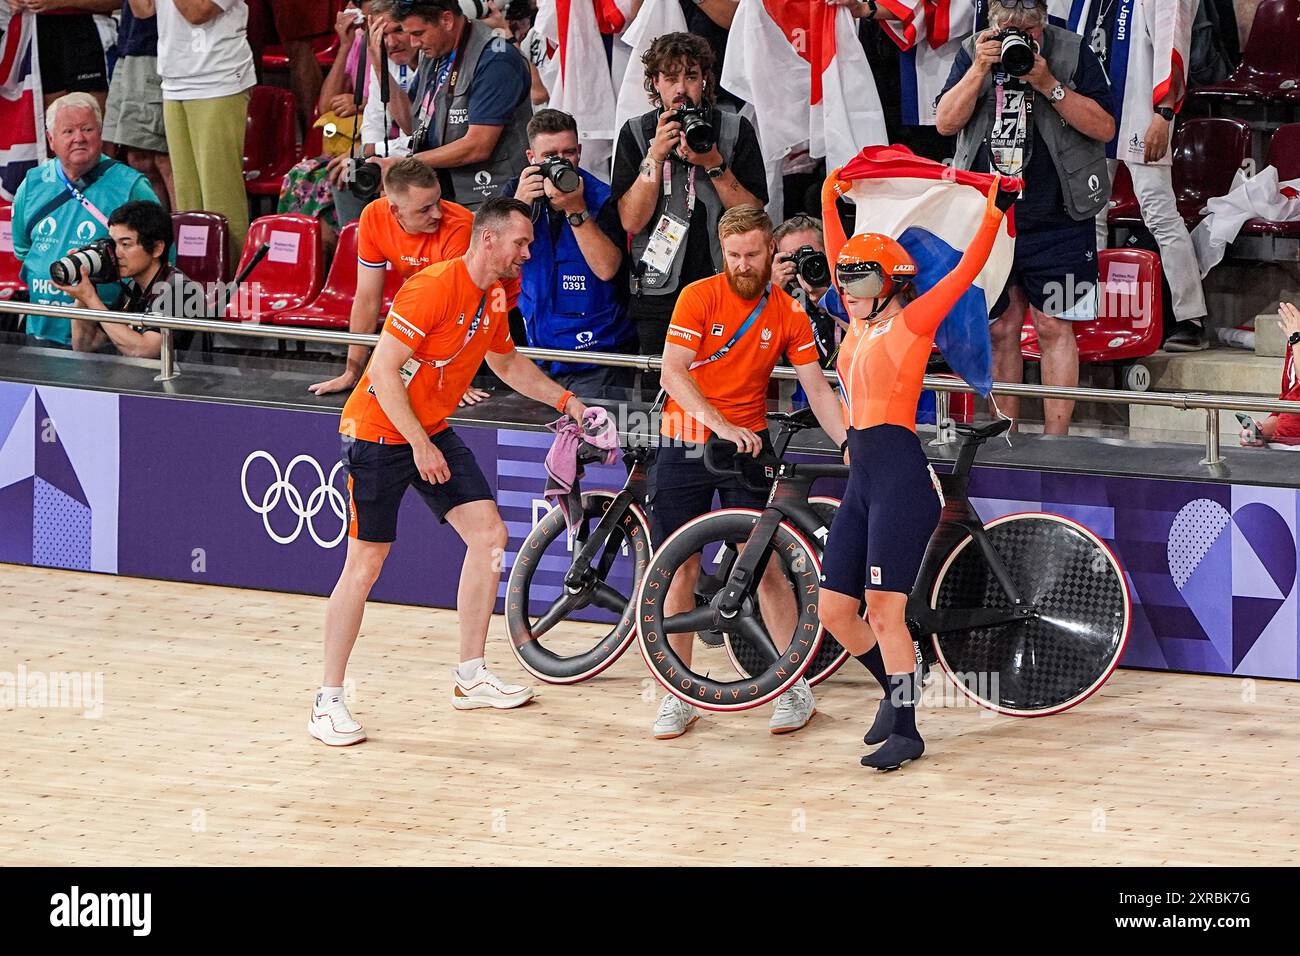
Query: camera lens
{"x": 699, "y": 133}
{"x": 64, "y": 271}
{"x": 561, "y": 174}
{"x": 366, "y": 180}
{"x": 813, "y": 268}
{"x": 1017, "y": 55}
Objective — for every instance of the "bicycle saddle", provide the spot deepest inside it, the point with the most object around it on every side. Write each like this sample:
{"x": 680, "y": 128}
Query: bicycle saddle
{"x": 796, "y": 420}
{"x": 983, "y": 432}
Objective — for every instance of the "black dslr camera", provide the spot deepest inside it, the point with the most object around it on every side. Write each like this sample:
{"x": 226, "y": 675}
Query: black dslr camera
{"x": 97, "y": 261}
{"x": 561, "y": 174}
{"x": 811, "y": 266}
{"x": 697, "y": 127}
{"x": 1018, "y": 51}
{"x": 362, "y": 178}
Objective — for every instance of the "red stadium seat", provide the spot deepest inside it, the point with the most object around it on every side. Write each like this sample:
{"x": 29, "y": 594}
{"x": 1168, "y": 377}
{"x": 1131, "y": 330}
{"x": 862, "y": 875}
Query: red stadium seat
{"x": 1270, "y": 64}
{"x": 270, "y": 140}
{"x": 1129, "y": 324}
{"x": 326, "y": 47}
{"x": 1207, "y": 154}
{"x": 10, "y": 283}
{"x": 202, "y": 241}
{"x": 290, "y": 274}
{"x": 331, "y": 309}
{"x": 1284, "y": 156}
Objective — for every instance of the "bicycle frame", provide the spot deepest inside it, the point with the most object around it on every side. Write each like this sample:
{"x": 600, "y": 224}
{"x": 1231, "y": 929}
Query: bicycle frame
{"x": 581, "y": 574}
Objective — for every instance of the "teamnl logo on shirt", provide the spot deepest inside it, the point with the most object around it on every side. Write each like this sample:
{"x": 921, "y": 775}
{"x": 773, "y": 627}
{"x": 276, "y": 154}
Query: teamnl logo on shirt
{"x": 75, "y": 909}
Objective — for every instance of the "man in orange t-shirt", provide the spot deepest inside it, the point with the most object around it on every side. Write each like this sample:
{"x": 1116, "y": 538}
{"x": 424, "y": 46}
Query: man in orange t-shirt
{"x": 725, "y": 337}
{"x": 445, "y": 320}
{"x": 411, "y": 227}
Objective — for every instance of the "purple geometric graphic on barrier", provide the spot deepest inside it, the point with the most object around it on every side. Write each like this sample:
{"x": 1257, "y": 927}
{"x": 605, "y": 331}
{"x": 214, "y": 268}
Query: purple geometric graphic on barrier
{"x": 52, "y": 462}
{"x": 61, "y": 535}
{"x": 16, "y": 522}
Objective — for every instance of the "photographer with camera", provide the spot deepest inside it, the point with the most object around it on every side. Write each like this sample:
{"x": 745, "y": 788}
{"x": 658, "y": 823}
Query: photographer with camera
{"x": 571, "y": 296}
{"x": 677, "y": 168}
{"x": 140, "y": 238}
{"x": 412, "y": 228}
{"x": 801, "y": 269}
{"x": 355, "y": 180}
{"x": 61, "y": 206}
{"x": 469, "y": 108}
{"x": 1030, "y": 99}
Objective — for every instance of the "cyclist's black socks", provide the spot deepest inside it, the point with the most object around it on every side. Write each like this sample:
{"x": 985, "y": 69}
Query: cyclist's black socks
{"x": 874, "y": 662}
{"x": 883, "y": 725}
{"x": 902, "y": 698}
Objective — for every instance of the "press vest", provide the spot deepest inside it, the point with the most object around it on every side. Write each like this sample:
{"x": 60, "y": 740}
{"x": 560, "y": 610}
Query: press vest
{"x": 474, "y": 183}
{"x": 657, "y": 283}
{"x": 1080, "y": 161}
{"x": 565, "y": 304}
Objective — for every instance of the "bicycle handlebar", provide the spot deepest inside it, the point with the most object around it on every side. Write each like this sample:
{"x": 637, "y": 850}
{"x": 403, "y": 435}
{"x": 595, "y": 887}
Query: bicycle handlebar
{"x": 766, "y": 460}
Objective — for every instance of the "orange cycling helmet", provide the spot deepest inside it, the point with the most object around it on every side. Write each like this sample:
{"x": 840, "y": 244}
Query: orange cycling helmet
{"x": 873, "y": 266}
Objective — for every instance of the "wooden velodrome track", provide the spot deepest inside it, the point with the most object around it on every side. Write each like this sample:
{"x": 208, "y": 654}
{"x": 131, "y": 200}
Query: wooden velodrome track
{"x": 201, "y": 757}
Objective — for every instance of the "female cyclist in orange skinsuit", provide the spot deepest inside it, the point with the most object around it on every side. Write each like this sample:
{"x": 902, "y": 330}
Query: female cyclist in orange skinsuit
{"x": 892, "y": 502}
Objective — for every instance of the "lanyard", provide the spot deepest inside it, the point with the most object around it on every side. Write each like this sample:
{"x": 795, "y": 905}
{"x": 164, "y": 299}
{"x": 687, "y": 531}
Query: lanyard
{"x": 473, "y": 327}
{"x": 690, "y": 186}
{"x": 80, "y": 197}
{"x": 753, "y": 317}
{"x": 432, "y": 94}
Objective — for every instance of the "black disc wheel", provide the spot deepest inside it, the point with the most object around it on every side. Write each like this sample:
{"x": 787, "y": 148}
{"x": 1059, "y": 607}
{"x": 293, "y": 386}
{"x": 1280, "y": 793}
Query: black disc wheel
{"x": 1061, "y": 654}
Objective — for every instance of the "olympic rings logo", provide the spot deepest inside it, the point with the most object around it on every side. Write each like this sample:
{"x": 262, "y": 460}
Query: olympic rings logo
{"x": 282, "y": 487}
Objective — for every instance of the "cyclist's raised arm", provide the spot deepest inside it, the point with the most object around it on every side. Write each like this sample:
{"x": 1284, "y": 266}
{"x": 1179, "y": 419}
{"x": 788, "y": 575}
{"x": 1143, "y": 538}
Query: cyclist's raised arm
{"x": 929, "y": 311}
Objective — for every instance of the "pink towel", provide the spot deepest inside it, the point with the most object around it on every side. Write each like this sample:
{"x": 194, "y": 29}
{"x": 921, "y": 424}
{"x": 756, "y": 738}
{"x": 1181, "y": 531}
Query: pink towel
{"x": 596, "y": 440}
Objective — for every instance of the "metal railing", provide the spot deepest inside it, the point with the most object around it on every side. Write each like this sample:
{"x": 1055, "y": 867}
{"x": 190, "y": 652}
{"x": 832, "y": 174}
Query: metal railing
{"x": 1211, "y": 404}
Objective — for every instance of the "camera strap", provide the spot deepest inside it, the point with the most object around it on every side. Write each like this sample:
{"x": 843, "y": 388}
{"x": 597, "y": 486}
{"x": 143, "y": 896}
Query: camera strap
{"x": 690, "y": 187}
{"x": 736, "y": 336}
{"x": 81, "y": 197}
{"x": 1009, "y": 140}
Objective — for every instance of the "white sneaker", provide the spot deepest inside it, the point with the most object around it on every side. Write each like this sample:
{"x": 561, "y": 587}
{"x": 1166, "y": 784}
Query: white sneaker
{"x": 331, "y": 722}
{"x": 485, "y": 689}
{"x": 793, "y": 709}
{"x": 675, "y": 717}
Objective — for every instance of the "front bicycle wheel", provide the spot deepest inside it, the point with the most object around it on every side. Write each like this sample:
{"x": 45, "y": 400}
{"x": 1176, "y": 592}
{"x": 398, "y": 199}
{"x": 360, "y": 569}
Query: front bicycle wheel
{"x": 547, "y": 588}
{"x": 720, "y": 535}
{"x": 830, "y": 655}
{"x": 1057, "y": 659}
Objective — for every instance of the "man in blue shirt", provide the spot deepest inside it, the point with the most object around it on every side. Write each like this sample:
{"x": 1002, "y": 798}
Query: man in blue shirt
{"x": 1049, "y": 126}
{"x": 574, "y": 287}
{"x": 64, "y": 204}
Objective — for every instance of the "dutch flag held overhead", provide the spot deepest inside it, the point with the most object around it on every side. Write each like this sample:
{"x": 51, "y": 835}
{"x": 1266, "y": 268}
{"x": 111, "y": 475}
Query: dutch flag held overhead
{"x": 933, "y": 211}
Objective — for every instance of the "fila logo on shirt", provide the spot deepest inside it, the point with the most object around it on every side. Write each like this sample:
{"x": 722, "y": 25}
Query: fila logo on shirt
{"x": 717, "y": 329}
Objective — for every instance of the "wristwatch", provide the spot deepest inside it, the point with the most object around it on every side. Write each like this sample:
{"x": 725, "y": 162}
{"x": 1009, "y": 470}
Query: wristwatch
{"x": 717, "y": 170}
{"x": 1293, "y": 339}
{"x": 1056, "y": 93}
{"x": 578, "y": 218}
{"x": 1166, "y": 113}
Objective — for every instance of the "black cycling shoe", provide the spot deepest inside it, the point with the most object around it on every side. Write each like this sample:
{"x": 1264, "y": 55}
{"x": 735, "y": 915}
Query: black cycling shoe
{"x": 882, "y": 726}
{"x": 897, "y": 751}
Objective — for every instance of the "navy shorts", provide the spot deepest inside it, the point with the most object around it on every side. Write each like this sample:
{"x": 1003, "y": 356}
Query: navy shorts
{"x": 379, "y": 474}
{"x": 1057, "y": 269}
{"x": 681, "y": 488}
{"x": 891, "y": 507}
